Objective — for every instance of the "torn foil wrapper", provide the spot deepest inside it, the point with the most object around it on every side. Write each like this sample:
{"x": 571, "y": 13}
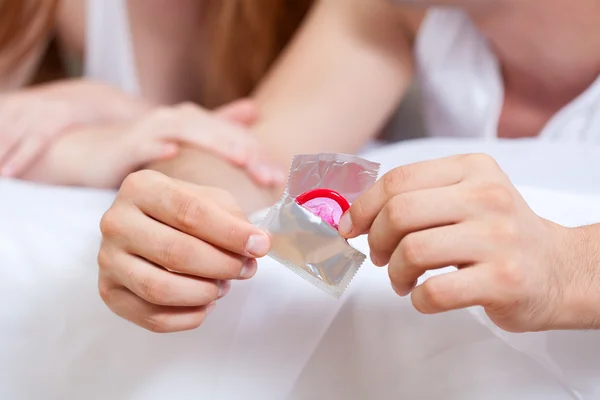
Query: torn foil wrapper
{"x": 304, "y": 237}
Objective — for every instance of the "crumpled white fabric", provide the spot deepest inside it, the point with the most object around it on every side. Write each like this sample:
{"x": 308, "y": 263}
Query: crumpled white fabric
{"x": 276, "y": 336}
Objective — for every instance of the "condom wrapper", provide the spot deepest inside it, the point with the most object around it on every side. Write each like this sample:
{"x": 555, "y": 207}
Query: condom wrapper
{"x": 303, "y": 224}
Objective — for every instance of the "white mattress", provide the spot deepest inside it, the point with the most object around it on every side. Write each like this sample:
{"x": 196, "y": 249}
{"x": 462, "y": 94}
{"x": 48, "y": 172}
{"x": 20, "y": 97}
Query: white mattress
{"x": 276, "y": 336}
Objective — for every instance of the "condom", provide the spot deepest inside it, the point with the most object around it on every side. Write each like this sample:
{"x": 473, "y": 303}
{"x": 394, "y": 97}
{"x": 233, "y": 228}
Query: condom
{"x": 327, "y": 204}
{"x": 303, "y": 224}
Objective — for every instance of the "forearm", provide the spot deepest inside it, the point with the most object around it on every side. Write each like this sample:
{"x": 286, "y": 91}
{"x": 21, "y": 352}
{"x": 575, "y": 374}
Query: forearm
{"x": 203, "y": 168}
{"x": 70, "y": 160}
{"x": 339, "y": 81}
{"x": 581, "y": 296}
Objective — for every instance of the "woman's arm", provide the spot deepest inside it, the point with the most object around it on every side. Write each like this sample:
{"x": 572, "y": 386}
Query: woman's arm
{"x": 333, "y": 90}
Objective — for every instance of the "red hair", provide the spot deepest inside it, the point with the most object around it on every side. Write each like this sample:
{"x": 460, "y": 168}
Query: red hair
{"x": 244, "y": 38}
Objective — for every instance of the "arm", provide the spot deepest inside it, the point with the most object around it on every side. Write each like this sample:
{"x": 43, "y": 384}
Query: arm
{"x": 332, "y": 91}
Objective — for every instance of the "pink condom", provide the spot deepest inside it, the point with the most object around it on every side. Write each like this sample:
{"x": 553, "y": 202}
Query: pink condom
{"x": 326, "y": 204}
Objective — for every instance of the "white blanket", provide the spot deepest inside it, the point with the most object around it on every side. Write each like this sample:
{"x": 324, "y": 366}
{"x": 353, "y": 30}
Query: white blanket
{"x": 276, "y": 336}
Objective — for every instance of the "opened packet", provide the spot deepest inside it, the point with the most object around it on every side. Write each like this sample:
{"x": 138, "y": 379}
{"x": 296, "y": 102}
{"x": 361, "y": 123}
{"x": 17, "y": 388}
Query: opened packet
{"x": 303, "y": 224}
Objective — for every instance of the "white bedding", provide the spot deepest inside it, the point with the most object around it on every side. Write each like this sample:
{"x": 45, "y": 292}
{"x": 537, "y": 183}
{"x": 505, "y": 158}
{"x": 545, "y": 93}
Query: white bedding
{"x": 276, "y": 336}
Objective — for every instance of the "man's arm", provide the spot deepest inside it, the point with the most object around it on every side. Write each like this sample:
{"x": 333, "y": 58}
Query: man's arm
{"x": 332, "y": 90}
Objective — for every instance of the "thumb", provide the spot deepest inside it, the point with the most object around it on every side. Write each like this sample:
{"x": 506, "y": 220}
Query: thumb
{"x": 243, "y": 112}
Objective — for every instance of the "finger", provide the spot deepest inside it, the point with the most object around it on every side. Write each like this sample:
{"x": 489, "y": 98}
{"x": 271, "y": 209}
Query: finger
{"x": 11, "y": 125}
{"x": 472, "y": 286}
{"x": 242, "y": 111}
{"x": 159, "y": 286}
{"x": 408, "y": 178}
{"x": 436, "y": 248}
{"x": 180, "y": 252}
{"x": 411, "y": 212}
{"x": 155, "y": 318}
{"x": 207, "y": 132}
{"x": 418, "y": 176}
{"x": 189, "y": 209}
{"x": 24, "y": 155}
{"x": 266, "y": 175}
{"x": 152, "y": 151}
{"x": 5, "y": 153}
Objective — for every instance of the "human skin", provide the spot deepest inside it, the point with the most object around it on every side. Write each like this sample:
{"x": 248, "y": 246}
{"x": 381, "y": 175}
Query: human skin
{"x": 334, "y": 88}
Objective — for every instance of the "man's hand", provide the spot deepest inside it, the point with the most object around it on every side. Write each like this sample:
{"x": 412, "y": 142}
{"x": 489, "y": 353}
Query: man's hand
{"x": 464, "y": 211}
{"x": 169, "y": 250}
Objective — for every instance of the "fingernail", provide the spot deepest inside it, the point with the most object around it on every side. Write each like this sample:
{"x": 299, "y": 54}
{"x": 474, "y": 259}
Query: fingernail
{"x": 345, "y": 226}
{"x": 224, "y": 287}
{"x": 210, "y": 307}
{"x": 258, "y": 245}
{"x": 248, "y": 269}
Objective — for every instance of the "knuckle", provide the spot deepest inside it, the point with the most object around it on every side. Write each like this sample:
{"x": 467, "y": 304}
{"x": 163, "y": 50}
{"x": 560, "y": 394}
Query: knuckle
{"x": 396, "y": 210}
{"x": 358, "y": 211}
{"x": 413, "y": 251}
{"x": 479, "y": 161}
{"x": 434, "y": 298}
{"x": 509, "y": 275}
{"x": 105, "y": 260}
{"x": 504, "y": 231}
{"x": 495, "y": 197}
{"x": 153, "y": 290}
{"x": 189, "y": 211}
{"x": 110, "y": 224}
{"x": 106, "y": 291}
{"x": 394, "y": 179}
{"x": 173, "y": 255}
{"x": 136, "y": 181}
{"x": 158, "y": 323}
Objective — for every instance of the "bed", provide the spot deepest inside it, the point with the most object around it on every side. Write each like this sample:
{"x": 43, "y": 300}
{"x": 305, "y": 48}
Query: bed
{"x": 275, "y": 336}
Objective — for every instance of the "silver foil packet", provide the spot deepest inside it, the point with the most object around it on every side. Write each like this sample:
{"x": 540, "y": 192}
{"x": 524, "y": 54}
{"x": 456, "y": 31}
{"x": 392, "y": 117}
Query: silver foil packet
{"x": 304, "y": 242}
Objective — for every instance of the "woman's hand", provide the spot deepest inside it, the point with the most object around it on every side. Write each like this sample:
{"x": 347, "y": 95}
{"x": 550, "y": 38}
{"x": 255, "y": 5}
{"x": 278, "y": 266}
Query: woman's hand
{"x": 463, "y": 211}
{"x": 222, "y": 133}
{"x": 102, "y": 156}
{"x": 170, "y": 250}
{"x": 31, "y": 119}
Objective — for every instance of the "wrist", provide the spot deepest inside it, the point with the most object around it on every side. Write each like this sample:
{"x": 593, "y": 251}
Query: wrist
{"x": 580, "y": 255}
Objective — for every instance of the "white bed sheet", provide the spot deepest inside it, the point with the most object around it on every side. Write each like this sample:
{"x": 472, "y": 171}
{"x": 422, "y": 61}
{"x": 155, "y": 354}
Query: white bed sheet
{"x": 276, "y": 336}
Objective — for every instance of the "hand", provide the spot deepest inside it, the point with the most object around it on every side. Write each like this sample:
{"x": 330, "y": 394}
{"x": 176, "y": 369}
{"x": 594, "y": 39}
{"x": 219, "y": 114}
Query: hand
{"x": 31, "y": 119}
{"x": 464, "y": 211}
{"x": 102, "y": 156}
{"x": 199, "y": 128}
{"x": 169, "y": 250}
